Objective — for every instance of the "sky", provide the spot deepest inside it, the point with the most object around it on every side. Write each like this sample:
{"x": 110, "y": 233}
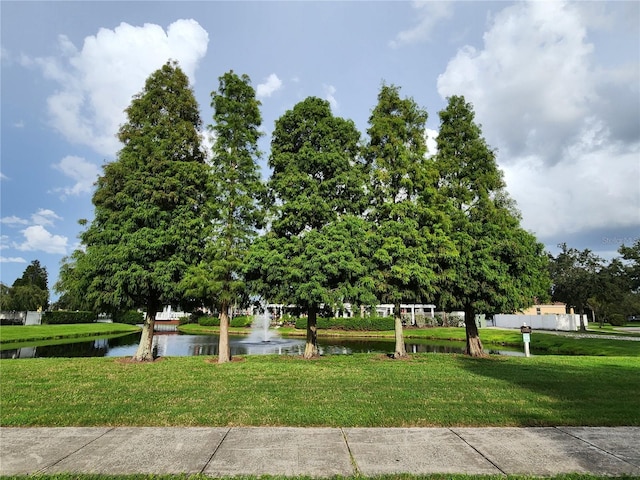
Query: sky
{"x": 555, "y": 86}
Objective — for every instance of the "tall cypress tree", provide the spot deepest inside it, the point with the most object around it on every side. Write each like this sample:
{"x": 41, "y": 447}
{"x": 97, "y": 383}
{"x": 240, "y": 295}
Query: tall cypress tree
{"x": 318, "y": 191}
{"x": 149, "y": 203}
{"x": 237, "y": 192}
{"x": 500, "y": 268}
{"x": 411, "y": 245}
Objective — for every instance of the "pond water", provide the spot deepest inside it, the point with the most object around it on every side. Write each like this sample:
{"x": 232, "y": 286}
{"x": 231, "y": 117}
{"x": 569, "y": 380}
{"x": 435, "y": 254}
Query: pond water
{"x": 179, "y": 345}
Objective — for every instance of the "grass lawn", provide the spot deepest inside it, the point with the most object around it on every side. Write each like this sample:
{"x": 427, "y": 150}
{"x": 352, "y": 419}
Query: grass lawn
{"x": 32, "y": 333}
{"x": 343, "y": 390}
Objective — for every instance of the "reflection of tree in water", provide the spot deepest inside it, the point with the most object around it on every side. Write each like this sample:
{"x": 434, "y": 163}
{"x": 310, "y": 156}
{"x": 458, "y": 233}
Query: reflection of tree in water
{"x": 208, "y": 345}
{"x": 94, "y": 348}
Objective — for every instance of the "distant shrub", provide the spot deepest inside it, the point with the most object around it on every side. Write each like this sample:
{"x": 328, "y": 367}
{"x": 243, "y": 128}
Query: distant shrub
{"x": 129, "y": 317}
{"x": 241, "y": 321}
{"x": 351, "y": 324}
{"x": 61, "y": 317}
{"x": 617, "y": 320}
{"x": 288, "y": 319}
{"x": 208, "y": 321}
{"x": 185, "y": 320}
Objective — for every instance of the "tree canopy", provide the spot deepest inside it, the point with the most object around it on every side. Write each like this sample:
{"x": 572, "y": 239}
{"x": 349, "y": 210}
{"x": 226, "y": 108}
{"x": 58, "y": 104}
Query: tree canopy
{"x": 30, "y": 291}
{"x": 149, "y": 226}
{"x": 237, "y": 193}
{"x": 410, "y": 243}
{"x": 317, "y": 190}
{"x": 500, "y": 267}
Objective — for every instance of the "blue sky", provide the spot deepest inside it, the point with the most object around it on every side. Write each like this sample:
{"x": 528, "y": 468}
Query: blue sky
{"x": 555, "y": 85}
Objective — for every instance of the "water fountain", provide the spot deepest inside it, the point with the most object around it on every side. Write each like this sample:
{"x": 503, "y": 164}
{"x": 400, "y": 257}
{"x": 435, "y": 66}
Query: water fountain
{"x": 263, "y": 339}
{"x": 260, "y": 328}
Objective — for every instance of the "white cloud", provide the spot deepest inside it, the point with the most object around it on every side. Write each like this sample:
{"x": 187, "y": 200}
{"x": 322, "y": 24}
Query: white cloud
{"x": 3, "y": 176}
{"x": 536, "y": 65}
{"x": 98, "y": 81}
{"x": 561, "y": 122}
{"x": 13, "y": 221}
{"x": 38, "y": 238}
{"x": 429, "y": 13}
{"x": 271, "y": 85}
{"x": 45, "y": 216}
{"x": 432, "y": 145}
{"x": 12, "y": 260}
{"x": 329, "y": 95}
{"x": 83, "y": 172}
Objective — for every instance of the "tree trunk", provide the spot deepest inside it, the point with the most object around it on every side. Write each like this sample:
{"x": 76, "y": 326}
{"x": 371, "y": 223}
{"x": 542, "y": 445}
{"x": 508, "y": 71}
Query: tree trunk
{"x": 474, "y": 345}
{"x": 583, "y": 327}
{"x": 401, "y": 351}
{"x": 145, "y": 348}
{"x": 311, "y": 347}
{"x": 224, "y": 351}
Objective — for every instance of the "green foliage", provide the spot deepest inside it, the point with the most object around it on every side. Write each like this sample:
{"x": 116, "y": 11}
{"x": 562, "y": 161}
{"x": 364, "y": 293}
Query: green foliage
{"x": 616, "y": 319}
{"x": 5, "y": 297}
{"x": 72, "y": 284}
{"x": 28, "y": 292}
{"x": 631, "y": 257}
{"x": 209, "y": 321}
{"x": 240, "y": 321}
{"x": 316, "y": 249}
{"x": 318, "y": 174}
{"x": 351, "y": 324}
{"x": 149, "y": 203}
{"x": 237, "y": 193}
{"x": 410, "y": 246}
{"x": 128, "y": 317}
{"x": 574, "y": 275}
{"x": 500, "y": 267}
{"x": 61, "y": 317}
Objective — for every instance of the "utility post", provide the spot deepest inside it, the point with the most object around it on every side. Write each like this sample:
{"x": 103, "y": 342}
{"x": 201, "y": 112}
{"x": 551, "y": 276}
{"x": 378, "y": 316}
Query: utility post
{"x": 526, "y": 338}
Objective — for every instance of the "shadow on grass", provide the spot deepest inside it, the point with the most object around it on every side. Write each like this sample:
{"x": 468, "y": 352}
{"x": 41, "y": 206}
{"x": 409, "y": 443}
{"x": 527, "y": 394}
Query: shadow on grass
{"x": 578, "y": 391}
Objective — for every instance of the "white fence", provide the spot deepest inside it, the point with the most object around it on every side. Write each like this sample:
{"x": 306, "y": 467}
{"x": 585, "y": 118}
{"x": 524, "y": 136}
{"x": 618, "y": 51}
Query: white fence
{"x": 566, "y": 322}
{"x": 24, "y": 318}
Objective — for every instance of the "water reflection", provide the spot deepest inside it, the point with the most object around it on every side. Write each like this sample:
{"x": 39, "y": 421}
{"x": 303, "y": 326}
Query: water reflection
{"x": 177, "y": 345}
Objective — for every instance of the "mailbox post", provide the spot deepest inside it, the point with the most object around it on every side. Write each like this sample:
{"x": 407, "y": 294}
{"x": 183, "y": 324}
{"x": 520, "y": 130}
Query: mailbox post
{"x": 526, "y": 338}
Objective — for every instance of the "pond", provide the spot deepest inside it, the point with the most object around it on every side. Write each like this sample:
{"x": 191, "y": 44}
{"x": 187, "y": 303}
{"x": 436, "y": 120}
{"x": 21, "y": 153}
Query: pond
{"x": 179, "y": 345}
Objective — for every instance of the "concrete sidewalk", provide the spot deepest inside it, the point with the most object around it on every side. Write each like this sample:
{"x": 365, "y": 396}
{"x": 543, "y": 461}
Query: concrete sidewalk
{"x": 320, "y": 452}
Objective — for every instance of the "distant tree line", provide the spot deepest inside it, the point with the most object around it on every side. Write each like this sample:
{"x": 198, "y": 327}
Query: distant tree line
{"x": 340, "y": 219}
{"x": 29, "y": 292}
{"x": 609, "y": 291}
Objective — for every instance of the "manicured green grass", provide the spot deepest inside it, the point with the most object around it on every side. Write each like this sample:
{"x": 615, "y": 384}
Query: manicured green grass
{"x": 32, "y": 333}
{"x": 341, "y": 390}
{"x": 404, "y": 476}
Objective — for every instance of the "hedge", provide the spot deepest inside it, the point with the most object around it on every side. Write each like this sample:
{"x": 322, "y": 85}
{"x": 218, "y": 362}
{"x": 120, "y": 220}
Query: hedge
{"x": 239, "y": 321}
{"x": 130, "y": 317}
{"x": 63, "y": 317}
{"x": 355, "y": 323}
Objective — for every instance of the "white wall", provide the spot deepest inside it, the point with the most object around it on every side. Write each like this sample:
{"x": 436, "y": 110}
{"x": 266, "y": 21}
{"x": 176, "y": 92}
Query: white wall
{"x": 567, "y": 322}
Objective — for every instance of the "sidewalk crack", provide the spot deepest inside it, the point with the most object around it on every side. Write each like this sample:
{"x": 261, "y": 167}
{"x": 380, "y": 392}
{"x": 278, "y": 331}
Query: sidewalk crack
{"x": 601, "y": 449}
{"x": 43, "y": 469}
{"x": 354, "y": 464}
{"x": 478, "y": 451}
{"x": 215, "y": 451}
